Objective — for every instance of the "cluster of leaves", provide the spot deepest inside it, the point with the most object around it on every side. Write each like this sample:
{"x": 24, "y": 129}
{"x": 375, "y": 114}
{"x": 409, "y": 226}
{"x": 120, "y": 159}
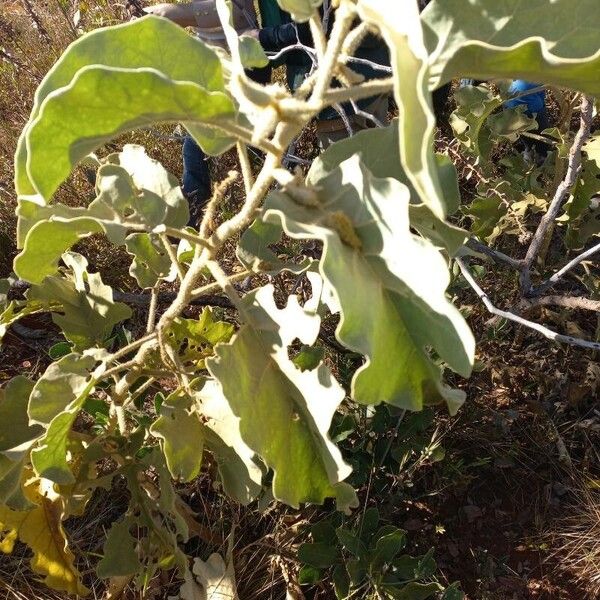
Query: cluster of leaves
{"x": 367, "y": 561}
{"x": 377, "y": 202}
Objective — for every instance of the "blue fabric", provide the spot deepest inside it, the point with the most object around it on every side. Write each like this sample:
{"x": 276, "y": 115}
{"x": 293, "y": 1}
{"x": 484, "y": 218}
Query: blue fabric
{"x": 196, "y": 176}
{"x": 535, "y": 103}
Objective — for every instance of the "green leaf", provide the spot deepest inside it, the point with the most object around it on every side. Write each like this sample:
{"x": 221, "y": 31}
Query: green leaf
{"x": 99, "y": 104}
{"x": 351, "y": 542}
{"x": 301, "y": 10}
{"x": 387, "y": 548}
{"x": 319, "y": 555}
{"x": 453, "y": 592}
{"x": 16, "y": 438}
{"x": 415, "y": 591}
{"x": 548, "y": 42}
{"x": 309, "y": 357}
{"x": 252, "y": 54}
{"x": 181, "y": 434}
{"x": 474, "y": 106}
{"x": 118, "y": 47}
{"x": 308, "y": 575}
{"x": 88, "y": 312}
{"x": 357, "y": 570}
{"x": 368, "y": 145}
{"x": 151, "y": 261}
{"x": 323, "y": 531}
{"x": 55, "y": 402}
{"x": 16, "y": 429}
{"x": 341, "y": 582}
{"x": 287, "y": 421}
{"x": 368, "y": 524}
{"x": 59, "y": 350}
{"x": 396, "y": 313}
{"x": 239, "y": 469}
{"x": 120, "y": 558}
{"x": 133, "y": 191}
{"x": 194, "y": 339}
{"x": 254, "y": 252}
{"x": 486, "y": 213}
{"x": 400, "y": 25}
{"x": 46, "y": 242}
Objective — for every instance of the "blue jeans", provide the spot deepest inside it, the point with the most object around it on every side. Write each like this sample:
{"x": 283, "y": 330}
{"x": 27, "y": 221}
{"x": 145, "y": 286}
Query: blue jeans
{"x": 196, "y": 176}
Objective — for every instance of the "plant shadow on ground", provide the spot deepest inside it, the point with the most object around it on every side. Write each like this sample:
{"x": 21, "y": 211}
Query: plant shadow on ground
{"x": 487, "y": 489}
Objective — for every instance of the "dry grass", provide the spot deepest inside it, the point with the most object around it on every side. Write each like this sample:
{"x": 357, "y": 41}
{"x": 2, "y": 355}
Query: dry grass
{"x": 576, "y": 538}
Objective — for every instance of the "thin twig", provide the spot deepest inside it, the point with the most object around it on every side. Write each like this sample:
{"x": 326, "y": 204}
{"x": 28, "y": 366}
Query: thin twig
{"x": 566, "y": 301}
{"x": 562, "y": 272}
{"x": 496, "y": 255}
{"x": 562, "y": 192}
{"x": 152, "y": 309}
{"x": 548, "y": 333}
{"x": 172, "y": 256}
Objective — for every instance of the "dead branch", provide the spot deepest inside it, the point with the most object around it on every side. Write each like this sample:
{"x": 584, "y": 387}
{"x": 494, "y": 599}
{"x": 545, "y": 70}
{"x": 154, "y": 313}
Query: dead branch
{"x": 548, "y": 333}
{"x": 565, "y": 301}
{"x": 562, "y": 272}
{"x": 561, "y": 194}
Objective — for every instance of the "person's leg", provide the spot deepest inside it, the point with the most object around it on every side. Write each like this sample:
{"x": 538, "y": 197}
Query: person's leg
{"x": 196, "y": 178}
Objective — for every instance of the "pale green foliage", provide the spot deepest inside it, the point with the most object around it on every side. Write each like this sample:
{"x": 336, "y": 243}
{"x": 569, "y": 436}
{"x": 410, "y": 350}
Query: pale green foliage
{"x": 180, "y": 432}
{"x": 15, "y": 441}
{"x": 120, "y": 558}
{"x": 400, "y": 25}
{"x": 301, "y": 10}
{"x": 396, "y": 313}
{"x": 378, "y": 202}
{"x": 547, "y": 42}
{"x": 55, "y": 402}
{"x": 88, "y": 313}
{"x": 290, "y": 413}
{"x": 368, "y": 145}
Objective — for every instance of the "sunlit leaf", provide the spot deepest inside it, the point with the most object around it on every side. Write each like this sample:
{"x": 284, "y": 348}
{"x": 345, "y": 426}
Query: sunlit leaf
{"x": 401, "y": 28}
{"x": 396, "y": 314}
{"x": 55, "y": 402}
{"x": 118, "y": 47}
{"x": 88, "y": 312}
{"x": 180, "y": 431}
{"x": 546, "y": 42}
{"x": 287, "y": 421}
{"x": 368, "y": 145}
{"x": 41, "y": 529}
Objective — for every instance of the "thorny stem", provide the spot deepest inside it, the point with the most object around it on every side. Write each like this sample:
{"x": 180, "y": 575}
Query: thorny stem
{"x": 152, "y": 310}
{"x": 217, "y": 197}
{"x": 561, "y": 193}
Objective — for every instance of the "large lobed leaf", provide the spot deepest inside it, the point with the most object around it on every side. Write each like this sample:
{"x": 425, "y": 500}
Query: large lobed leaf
{"x": 549, "y": 42}
{"x": 16, "y": 438}
{"x": 133, "y": 192}
{"x": 55, "y": 402}
{"x": 119, "y": 55}
{"x": 400, "y": 25}
{"x": 284, "y": 414}
{"x": 368, "y": 145}
{"x": 389, "y": 283}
